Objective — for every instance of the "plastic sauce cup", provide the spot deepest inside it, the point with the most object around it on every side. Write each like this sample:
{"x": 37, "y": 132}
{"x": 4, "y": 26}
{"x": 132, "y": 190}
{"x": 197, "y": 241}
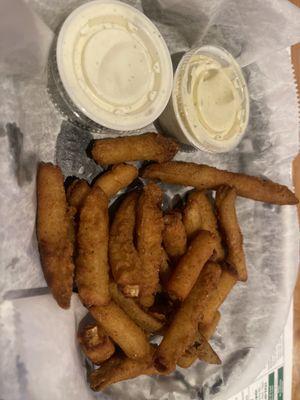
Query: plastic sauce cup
{"x": 209, "y": 105}
{"x": 114, "y": 65}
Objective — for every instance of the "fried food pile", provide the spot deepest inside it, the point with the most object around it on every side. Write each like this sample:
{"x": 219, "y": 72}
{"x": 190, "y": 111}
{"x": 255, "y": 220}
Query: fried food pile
{"x": 141, "y": 273}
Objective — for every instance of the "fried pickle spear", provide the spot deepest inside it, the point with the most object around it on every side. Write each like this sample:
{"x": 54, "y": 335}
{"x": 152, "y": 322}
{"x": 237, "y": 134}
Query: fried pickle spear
{"x": 174, "y": 235}
{"x": 183, "y": 328}
{"x": 205, "y": 177}
{"x": 95, "y": 343}
{"x": 123, "y": 331}
{"x": 111, "y": 182}
{"x": 225, "y": 201}
{"x": 201, "y": 348}
{"x": 213, "y": 301}
{"x": 119, "y": 177}
{"x": 120, "y": 368}
{"x": 149, "y": 146}
{"x": 125, "y": 263}
{"x": 134, "y": 311}
{"x": 77, "y": 192}
{"x": 198, "y": 215}
{"x": 92, "y": 261}
{"x": 190, "y": 265}
{"x": 53, "y": 233}
{"x": 149, "y": 227}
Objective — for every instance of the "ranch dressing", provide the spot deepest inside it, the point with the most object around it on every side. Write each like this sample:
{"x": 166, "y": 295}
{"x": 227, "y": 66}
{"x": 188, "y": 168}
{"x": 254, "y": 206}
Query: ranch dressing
{"x": 210, "y": 103}
{"x": 114, "y": 64}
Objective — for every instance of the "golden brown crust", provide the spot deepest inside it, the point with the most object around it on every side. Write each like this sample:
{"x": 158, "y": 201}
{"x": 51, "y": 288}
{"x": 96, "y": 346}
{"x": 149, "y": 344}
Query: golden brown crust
{"x": 149, "y": 227}
{"x": 95, "y": 343}
{"x": 201, "y": 348}
{"x": 120, "y": 368}
{"x": 134, "y": 311}
{"x": 119, "y": 177}
{"x": 53, "y": 233}
{"x": 92, "y": 261}
{"x": 125, "y": 263}
{"x": 148, "y": 146}
{"x": 225, "y": 201}
{"x": 198, "y": 215}
{"x": 216, "y": 297}
{"x": 205, "y": 177}
{"x": 77, "y": 192}
{"x": 174, "y": 235}
{"x": 190, "y": 265}
{"x": 183, "y": 328}
{"x": 123, "y": 331}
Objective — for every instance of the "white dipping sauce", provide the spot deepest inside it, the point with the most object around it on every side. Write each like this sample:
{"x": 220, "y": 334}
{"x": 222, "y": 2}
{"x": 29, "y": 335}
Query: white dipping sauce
{"x": 114, "y": 64}
{"x": 209, "y": 107}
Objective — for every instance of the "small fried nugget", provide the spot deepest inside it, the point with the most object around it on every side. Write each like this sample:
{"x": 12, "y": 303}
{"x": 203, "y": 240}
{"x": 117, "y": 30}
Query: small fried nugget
{"x": 198, "y": 215}
{"x": 148, "y": 146}
{"x": 95, "y": 343}
{"x": 125, "y": 263}
{"x": 123, "y": 331}
{"x": 190, "y": 265}
{"x": 174, "y": 235}
{"x": 225, "y": 201}
{"x": 144, "y": 320}
{"x": 183, "y": 329}
{"x": 149, "y": 227}
{"x": 92, "y": 261}
{"x": 120, "y": 368}
{"x": 119, "y": 177}
{"x": 205, "y": 177}
{"x": 54, "y": 234}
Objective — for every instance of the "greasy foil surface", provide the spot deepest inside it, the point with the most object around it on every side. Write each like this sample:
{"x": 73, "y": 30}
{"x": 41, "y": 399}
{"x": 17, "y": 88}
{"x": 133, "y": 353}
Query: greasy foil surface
{"x": 33, "y": 127}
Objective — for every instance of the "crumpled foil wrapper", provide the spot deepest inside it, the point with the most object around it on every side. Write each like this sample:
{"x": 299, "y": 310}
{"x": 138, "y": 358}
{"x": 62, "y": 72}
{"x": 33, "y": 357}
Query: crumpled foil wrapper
{"x": 34, "y": 126}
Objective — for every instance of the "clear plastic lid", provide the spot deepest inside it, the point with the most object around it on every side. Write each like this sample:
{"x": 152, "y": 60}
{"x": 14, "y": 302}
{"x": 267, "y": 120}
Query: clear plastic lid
{"x": 114, "y": 65}
{"x": 210, "y": 99}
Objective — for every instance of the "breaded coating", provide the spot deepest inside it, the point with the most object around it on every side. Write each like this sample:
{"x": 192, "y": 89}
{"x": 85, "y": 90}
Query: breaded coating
{"x": 53, "y": 233}
{"x": 205, "y": 177}
{"x": 149, "y": 227}
{"x": 144, "y": 320}
{"x": 225, "y": 201}
{"x": 111, "y": 182}
{"x": 92, "y": 261}
{"x": 190, "y": 265}
{"x": 148, "y": 146}
{"x": 124, "y": 260}
{"x": 215, "y": 298}
{"x": 119, "y": 177}
{"x": 208, "y": 330}
{"x": 123, "y": 331}
{"x": 174, "y": 235}
{"x": 184, "y": 327}
{"x": 77, "y": 192}
{"x": 198, "y": 214}
{"x": 201, "y": 348}
{"x": 95, "y": 343}
{"x": 120, "y": 368}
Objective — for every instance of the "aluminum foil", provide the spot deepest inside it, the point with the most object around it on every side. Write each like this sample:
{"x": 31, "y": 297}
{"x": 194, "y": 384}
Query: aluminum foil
{"x": 35, "y": 125}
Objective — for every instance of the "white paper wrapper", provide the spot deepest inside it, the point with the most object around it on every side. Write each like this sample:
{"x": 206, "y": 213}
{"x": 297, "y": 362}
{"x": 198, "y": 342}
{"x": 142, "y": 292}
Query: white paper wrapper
{"x": 32, "y": 129}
